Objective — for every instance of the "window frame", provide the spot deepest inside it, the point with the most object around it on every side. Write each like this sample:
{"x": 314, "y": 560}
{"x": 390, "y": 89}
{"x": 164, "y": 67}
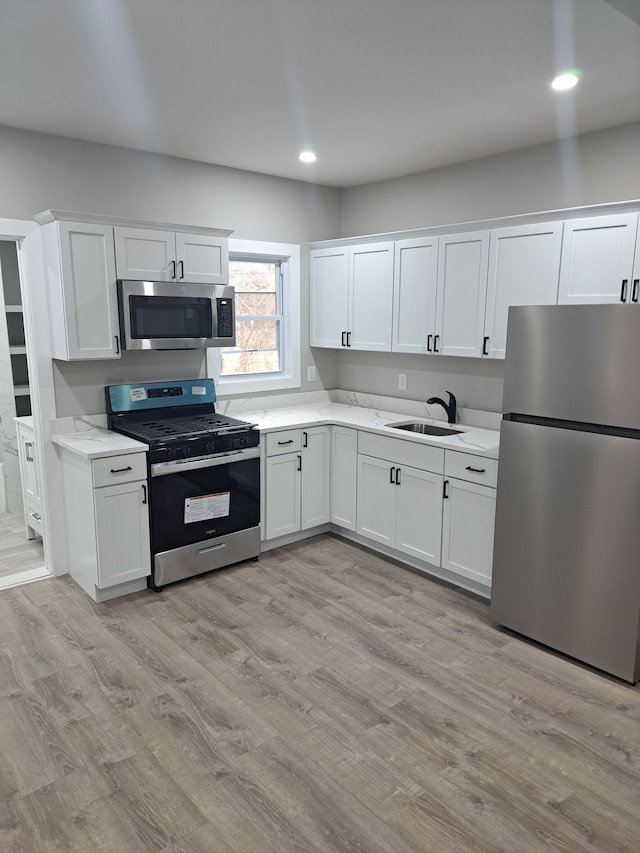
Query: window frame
{"x": 289, "y": 377}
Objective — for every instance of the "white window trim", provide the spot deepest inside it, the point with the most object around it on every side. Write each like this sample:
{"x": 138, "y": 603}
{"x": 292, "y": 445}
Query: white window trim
{"x": 289, "y": 377}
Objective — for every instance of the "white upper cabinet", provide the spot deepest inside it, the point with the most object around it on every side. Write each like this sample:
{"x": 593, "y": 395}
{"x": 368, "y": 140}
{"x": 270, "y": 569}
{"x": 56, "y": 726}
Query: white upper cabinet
{"x": 598, "y": 260}
{"x": 524, "y": 266}
{"x": 81, "y": 283}
{"x": 352, "y": 297}
{"x": 414, "y": 295}
{"x": 462, "y": 289}
{"x": 148, "y": 254}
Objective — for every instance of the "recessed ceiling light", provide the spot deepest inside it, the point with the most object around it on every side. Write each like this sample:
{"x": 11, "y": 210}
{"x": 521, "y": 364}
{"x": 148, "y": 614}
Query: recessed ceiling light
{"x": 564, "y": 81}
{"x": 308, "y": 156}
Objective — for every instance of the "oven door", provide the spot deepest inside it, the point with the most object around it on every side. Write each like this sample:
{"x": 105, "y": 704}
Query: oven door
{"x": 199, "y": 499}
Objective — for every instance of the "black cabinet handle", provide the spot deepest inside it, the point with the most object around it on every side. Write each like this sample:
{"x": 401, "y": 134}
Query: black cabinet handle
{"x": 436, "y": 339}
{"x": 299, "y": 463}
{"x": 290, "y": 441}
{"x": 348, "y": 339}
{"x": 445, "y": 489}
{"x": 398, "y": 476}
{"x": 429, "y": 343}
{"x": 344, "y": 334}
{"x": 144, "y": 493}
{"x": 117, "y": 339}
{"x": 485, "y": 345}
{"x": 305, "y": 439}
{"x": 181, "y": 269}
{"x": 391, "y": 476}
{"x": 476, "y": 470}
{"x": 634, "y": 292}
{"x": 121, "y": 470}
{"x": 172, "y": 264}
{"x": 623, "y": 291}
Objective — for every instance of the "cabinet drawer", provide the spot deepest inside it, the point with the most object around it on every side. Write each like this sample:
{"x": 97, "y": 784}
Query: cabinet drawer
{"x": 401, "y": 452}
{"x": 34, "y": 515}
{"x": 475, "y": 469}
{"x": 287, "y": 441}
{"x": 119, "y": 469}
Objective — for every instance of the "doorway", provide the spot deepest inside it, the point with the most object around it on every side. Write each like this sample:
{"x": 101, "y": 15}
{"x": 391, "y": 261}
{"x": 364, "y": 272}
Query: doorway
{"x": 21, "y": 544}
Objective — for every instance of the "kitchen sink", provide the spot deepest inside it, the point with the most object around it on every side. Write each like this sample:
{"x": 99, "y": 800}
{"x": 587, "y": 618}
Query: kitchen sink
{"x": 425, "y": 429}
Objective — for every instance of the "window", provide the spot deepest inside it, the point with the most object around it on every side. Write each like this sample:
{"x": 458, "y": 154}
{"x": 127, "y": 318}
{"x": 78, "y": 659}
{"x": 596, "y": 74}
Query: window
{"x": 266, "y": 277}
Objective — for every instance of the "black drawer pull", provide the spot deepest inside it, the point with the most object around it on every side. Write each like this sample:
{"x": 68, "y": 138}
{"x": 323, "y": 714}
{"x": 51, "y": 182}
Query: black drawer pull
{"x": 286, "y": 442}
{"x": 623, "y": 292}
{"x": 121, "y": 470}
{"x": 429, "y": 343}
{"x": 476, "y": 470}
{"x": 634, "y": 292}
{"x": 344, "y": 334}
{"x": 391, "y": 476}
{"x": 485, "y": 343}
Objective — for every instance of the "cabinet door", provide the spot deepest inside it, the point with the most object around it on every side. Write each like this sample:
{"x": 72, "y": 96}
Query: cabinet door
{"x": 315, "y": 477}
{"x": 144, "y": 254}
{"x": 462, "y": 290}
{"x": 419, "y": 514}
{"x": 122, "y": 533}
{"x": 467, "y": 531}
{"x": 371, "y": 292}
{"x": 202, "y": 259}
{"x": 282, "y": 496}
{"x": 329, "y": 301}
{"x": 344, "y": 474}
{"x": 377, "y": 500}
{"x": 26, "y": 452}
{"x": 89, "y": 291}
{"x": 414, "y": 294}
{"x": 524, "y": 266}
{"x": 597, "y": 259}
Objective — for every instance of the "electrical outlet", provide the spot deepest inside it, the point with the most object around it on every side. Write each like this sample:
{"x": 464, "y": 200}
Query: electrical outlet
{"x": 311, "y": 374}
{"x": 402, "y": 382}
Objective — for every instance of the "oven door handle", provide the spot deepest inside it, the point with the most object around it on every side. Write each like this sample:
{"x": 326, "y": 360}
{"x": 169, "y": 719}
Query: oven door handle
{"x": 161, "y": 469}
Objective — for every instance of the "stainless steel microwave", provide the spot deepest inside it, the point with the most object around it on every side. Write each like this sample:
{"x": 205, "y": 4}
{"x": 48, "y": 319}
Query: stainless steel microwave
{"x": 175, "y": 315}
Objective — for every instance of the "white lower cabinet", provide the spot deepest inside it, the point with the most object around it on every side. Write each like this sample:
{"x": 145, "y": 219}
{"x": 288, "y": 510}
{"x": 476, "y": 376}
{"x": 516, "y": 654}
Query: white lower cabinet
{"x": 469, "y": 516}
{"x": 108, "y": 523}
{"x": 31, "y": 501}
{"x": 344, "y": 473}
{"x": 297, "y": 481}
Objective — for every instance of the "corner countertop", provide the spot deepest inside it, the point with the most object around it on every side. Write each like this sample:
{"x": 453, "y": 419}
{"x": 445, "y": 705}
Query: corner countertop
{"x": 96, "y": 443}
{"x": 471, "y": 439}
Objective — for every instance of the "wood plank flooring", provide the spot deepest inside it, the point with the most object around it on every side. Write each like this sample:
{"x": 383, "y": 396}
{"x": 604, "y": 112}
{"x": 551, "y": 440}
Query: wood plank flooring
{"x": 321, "y": 699}
{"x": 17, "y": 553}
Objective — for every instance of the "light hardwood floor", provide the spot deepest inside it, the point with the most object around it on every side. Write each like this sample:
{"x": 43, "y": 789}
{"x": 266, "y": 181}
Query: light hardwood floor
{"x": 17, "y": 553}
{"x": 321, "y": 699}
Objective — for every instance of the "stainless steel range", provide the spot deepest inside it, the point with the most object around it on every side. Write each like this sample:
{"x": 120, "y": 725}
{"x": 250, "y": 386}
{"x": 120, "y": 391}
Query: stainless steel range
{"x": 204, "y": 475}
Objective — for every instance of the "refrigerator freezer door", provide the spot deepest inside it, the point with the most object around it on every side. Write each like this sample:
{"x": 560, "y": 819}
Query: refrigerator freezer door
{"x": 566, "y": 570}
{"x": 574, "y": 362}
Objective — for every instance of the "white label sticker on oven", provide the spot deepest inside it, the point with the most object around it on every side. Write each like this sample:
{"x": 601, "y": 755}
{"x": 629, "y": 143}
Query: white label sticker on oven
{"x": 138, "y": 394}
{"x": 205, "y": 507}
{"x": 198, "y": 389}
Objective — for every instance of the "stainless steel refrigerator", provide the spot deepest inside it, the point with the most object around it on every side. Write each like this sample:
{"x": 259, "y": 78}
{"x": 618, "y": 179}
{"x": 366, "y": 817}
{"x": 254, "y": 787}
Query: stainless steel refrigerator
{"x": 566, "y": 568}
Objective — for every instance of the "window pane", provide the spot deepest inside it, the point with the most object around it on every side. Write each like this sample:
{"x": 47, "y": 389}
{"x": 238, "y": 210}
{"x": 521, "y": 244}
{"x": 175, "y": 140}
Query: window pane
{"x": 255, "y": 334}
{"x": 255, "y": 276}
{"x": 255, "y": 303}
{"x": 248, "y": 362}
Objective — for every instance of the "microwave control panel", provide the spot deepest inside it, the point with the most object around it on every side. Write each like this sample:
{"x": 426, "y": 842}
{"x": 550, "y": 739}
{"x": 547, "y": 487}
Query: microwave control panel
{"x": 225, "y": 318}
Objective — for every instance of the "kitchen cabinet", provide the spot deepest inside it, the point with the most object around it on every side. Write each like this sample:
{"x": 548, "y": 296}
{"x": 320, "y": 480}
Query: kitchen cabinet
{"x": 344, "y": 473}
{"x": 297, "y": 493}
{"x": 29, "y": 476}
{"x": 352, "y": 297}
{"x": 158, "y": 255}
{"x": 524, "y": 267}
{"x": 462, "y": 289}
{"x": 414, "y": 294}
{"x": 469, "y": 516}
{"x": 81, "y": 285}
{"x": 600, "y": 260}
{"x": 108, "y": 522}
{"x": 400, "y": 495}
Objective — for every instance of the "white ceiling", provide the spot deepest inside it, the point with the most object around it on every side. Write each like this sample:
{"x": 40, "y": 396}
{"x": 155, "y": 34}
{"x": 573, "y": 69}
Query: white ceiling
{"x": 381, "y": 88}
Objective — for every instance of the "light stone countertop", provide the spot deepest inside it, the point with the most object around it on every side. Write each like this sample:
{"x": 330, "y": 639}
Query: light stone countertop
{"x": 482, "y": 442}
{"x": 96, "y": 443}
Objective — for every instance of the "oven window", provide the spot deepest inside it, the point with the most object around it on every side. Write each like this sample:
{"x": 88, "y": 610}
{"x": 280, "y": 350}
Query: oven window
{"x": 204, "y": 503}
{"x": 170, "y": 317}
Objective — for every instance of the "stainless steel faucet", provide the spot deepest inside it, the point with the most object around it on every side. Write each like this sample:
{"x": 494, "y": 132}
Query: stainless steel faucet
{"x": 451, "y": 408}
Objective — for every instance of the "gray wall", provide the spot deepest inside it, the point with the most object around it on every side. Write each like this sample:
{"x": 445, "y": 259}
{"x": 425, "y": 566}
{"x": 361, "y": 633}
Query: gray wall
{"x": 38, "y": 172}
{"x": 594, "y": 169}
